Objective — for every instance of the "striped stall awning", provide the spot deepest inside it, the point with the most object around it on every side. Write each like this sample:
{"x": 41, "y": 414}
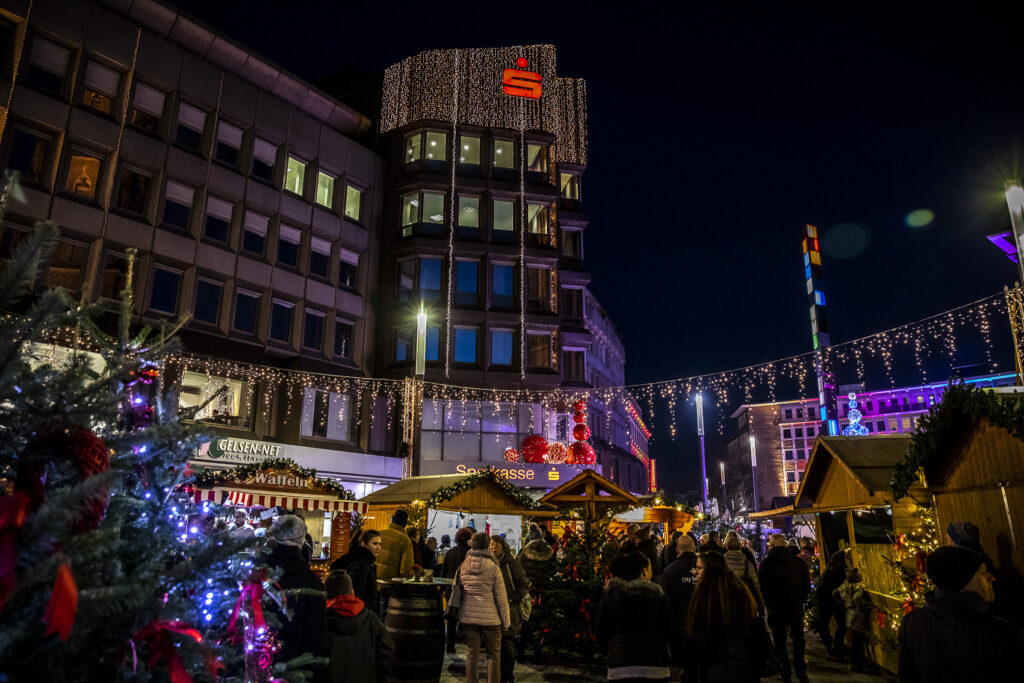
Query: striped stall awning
{"x": 269, "y": 500}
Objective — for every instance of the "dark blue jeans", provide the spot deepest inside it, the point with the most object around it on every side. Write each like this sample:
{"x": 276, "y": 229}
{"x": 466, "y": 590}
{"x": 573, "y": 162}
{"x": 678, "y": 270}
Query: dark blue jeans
{"x": 780, "y": 624}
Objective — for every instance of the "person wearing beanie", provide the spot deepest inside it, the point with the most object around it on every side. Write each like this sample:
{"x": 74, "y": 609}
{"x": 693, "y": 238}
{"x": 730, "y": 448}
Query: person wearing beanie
{"x": 304, "y": 630}
{"x": 955, "y": 637}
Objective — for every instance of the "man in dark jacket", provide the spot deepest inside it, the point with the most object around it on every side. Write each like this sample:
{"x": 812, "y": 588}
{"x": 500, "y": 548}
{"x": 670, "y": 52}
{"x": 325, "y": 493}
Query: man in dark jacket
{"x": 452, "y": 561}
{"x": 679, "y": 578}
{"x": 304, "y": 631}
{"x": 714, "y": 543}
{"x": 360, "y": 646}
{"x": 648, "y": 546}
{"x": 668, "y": 553}
{"x": 785, "y": 583}
{"x": 954, "y": 637}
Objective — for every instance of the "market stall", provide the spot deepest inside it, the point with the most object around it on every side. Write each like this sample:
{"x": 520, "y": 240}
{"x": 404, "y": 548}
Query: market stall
{"x": 584, "y": 499}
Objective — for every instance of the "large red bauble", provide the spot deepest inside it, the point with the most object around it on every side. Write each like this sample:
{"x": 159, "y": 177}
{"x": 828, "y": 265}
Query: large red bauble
{"x": 511, "y": 455}
{"x": 557, "y": 453}
{"x": 534, "y": 449}
{"x": 92, "y": 457}
{"x": 579, "y": 417}
{"x": 581, "y": 432}
{"x": 580, "y": 406}
{"x": 581, "y": 454}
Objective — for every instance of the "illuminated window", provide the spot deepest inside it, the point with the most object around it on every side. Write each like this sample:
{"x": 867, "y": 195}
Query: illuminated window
{"x": 465, "y": 344}
{"x": 430, "y": 279}
{"x": 30, "y": 153}
{"x": 348, "y": 275}
{"x": 504, "y": 154}
{"x": 166, "y": 286}
{"x": 147, "y": 108}
{"x": 537, "y": 221}
{"x": 503, "y": 280}
{"x": 66, "y": 266}
{"x": 313, "y": 330}
{"x": 101, "y": 86}
{"x": 83, "y": 174}
{"x": 353, "y": 203}
{"x": 281, "y": 313}
{"x": 226, "y": 400}
{"x": 413, "y": 147}
{"x": 328, "y": 415}
{"x": 423, "y": 208}
{"x": 288, "y": 240}
{"x": 504, "y": 220}
{"x": 229, "y": 144}
{"x": 435, "y": 147}
{"x": 469, "y": 217}
{"x": 132, "y": 188}
{"x": 344, "y": 332}
{"x": 325, "y": 190}
{"x": 295, "y": 177}
{"x": 207, "y": 304}
{"x": 264, "y": 158}
{"x": 536, "y": 157}
{"x": 247, "y": 311}
{"x": 319, "y": 257}
{"x": 570, "y": 186}
{"x": 906, "y": 423}
{"x": 47, "y": 65}
{"x": 466, "y": 283}
{"x": 469, "y": 149}
{"x": 178, "y": 205}
{"x": 254, "y": 233}
{"x": 191, "y": 121}
{"x": 819, "y": 298}
{"x": 538, "y": 288}
{"x": 218, "y": 219}
{"x": 538, "y": 350}
{"x": 433, "y": 343}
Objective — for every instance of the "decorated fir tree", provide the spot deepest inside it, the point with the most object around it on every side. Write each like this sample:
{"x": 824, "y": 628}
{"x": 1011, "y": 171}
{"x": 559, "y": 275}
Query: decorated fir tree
{"x": 108, "y": 571}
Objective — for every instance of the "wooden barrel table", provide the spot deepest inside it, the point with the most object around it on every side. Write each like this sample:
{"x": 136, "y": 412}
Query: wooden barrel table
{"x": 416, "y": 624}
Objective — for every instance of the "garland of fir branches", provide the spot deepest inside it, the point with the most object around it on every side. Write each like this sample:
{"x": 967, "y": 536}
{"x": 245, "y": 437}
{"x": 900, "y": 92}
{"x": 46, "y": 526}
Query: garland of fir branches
{"x": 207, "y": 478}
{"x": 471, "y": 481}
{"x": 943, "y": 429}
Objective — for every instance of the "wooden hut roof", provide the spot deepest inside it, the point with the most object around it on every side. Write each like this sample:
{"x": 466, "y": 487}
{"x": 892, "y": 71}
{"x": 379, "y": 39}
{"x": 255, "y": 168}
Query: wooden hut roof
{"x": 485, "y": 498}
{"x": 574, "y": 492}
{"x": 850, "y": 471}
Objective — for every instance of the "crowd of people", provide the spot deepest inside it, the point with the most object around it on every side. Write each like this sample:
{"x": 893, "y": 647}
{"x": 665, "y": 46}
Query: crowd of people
{"x": 700, "y": 610}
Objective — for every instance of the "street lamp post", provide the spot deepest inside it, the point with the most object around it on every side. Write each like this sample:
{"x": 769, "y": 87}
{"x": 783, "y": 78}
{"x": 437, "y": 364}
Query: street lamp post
{"x": 721, "y": 469}
{"x": 703, "y": 461}
{"x": 1015, "y": 203}
{"x": 753, "y": 472}
{"x": 421, "y": 343}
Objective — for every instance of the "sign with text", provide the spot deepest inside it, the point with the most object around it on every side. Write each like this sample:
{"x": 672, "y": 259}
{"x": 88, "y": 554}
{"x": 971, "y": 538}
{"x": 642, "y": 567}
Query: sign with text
{"x": 541, "y": 476}
{"x": 240, "y": 451}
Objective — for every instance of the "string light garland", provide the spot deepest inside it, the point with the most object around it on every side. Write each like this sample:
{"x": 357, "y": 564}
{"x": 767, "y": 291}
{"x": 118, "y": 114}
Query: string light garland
{"x": 451, "y": 222}
{"x": 913, "y": 548}
{"x": 471, "y": 481}
{"x": 207, "y": 478}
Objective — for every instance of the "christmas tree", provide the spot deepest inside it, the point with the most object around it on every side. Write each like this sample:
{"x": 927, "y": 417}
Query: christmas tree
{"x": 108, "y": 570}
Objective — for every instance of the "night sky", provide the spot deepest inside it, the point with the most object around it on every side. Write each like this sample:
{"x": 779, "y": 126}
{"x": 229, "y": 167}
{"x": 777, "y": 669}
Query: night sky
{"x": 715, "y": 134}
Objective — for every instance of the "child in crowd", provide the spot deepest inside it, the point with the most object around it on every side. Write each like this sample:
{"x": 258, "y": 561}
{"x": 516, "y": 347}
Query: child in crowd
{"x": 360, "y": 646}
{"x": 858, "y": 611}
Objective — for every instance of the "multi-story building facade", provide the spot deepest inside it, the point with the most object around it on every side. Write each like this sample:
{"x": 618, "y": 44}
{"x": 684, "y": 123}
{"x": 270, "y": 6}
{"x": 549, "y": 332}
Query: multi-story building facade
{"x": 483, "y": 227}
{"x": 252, "y": 205}
{"x": 784, "y": 434}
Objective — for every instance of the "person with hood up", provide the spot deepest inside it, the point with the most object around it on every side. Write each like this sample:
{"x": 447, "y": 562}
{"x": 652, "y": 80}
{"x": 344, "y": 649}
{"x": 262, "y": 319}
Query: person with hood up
{"x": 636, "y": 624}
{"x": 517, "y": 586}
{"x": 743, "y": 568}
{"x": 361, "y": 564}
{"x": 304, "y": 631}
{"x": 484, "y": 613}
{"x": 360, "y": 647}
{"x": 954, "y": 638}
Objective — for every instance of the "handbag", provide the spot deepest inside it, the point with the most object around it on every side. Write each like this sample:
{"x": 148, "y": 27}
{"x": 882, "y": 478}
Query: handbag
{"x": 526, "y": 604}
{"x": 455, "y": 599}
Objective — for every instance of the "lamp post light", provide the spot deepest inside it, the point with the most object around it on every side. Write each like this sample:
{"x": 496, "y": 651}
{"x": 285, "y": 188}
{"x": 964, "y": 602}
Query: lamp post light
{"x": 700, "y": 433}
{"x": 1015, "y": 203}
{"x": 753, "y": 472}
{"x": 721, "y": 470}
{"x": 421, "y": 342}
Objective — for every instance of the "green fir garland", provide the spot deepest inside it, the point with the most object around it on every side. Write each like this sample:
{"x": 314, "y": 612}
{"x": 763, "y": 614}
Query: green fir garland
{"x": 942, "y": 431}
{"x": 208, "y": 478}
{"x": 471, "y": 481}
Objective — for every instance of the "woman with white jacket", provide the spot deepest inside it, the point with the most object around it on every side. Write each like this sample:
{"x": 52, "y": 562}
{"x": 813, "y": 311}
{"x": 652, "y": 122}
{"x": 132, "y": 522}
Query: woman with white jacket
{"x": 484, "y": 611}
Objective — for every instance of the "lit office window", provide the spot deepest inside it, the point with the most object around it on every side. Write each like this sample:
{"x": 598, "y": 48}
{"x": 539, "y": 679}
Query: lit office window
{"x": 536, "y": 158}
{"x": 469, "y": 212}
{"x": 435, "y": 146}
{"x": 504, "y": 154}
{"x": 570, "y": 186}
{"x": 413, "y": 147}
{"x": 504, "y": 219}
{"x": 295, "y": 178}
{"x": 353, "y": 202}
{"x": 325, "y": 189}
{"x": 83, "y": 174}
{"x": 469, "y": 149}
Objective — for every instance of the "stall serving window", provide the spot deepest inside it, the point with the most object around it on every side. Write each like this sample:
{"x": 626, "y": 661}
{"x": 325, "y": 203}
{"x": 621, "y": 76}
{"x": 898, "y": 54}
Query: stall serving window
{"x": 232, "y": 406}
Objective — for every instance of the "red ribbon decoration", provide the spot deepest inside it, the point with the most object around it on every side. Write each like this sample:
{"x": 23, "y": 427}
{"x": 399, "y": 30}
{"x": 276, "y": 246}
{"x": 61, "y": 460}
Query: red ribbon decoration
{"x": 908, "y": 605}
{"x": 254, "y": 592}
{"x": 880, "y": 618}
{"x": 162, "y": 649}
{"x": 13, "y": 510}
{"x": 63, "y": 605}
{"x": 922, "y": 561}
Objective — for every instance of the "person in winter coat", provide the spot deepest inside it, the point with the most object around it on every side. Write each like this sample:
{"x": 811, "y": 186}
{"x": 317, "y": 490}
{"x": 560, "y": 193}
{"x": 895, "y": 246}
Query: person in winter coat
{"x": 396, "y": 552}
{"x": 361, "y": 564}
{"x": 538, "y": 561}
{"x": 807, "y": 552}
{"x": 304, "y": 631}
{"x": 713, "y": 542}
{"x": 452, "y": 561}
{"x": 858, "y": 613}
{"x": 517, "y": 586}
{"x": 721, "y": 628}
{"x": 416, "y": 538}
{"x": 359, "y": 646}
{"x": 679, "y": 578}
{"x": 785, "y": 583}
{"x": 647, "y": 545}
{"x": 743, "y": 568}
{"x": 636, "y": 624}
{"x": 829, "y": 608}
{"x": 484, "y": 613}
{"x": 668, "y": 553}
{"x": 748, "y": 552}
{"x": 954, "y": 638}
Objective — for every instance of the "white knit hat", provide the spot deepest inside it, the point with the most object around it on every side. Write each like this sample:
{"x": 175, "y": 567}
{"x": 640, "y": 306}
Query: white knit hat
{"x": 289, "y": 530}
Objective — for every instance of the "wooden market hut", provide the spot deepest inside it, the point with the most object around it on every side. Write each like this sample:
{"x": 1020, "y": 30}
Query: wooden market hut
{"x": 590, "y": 491}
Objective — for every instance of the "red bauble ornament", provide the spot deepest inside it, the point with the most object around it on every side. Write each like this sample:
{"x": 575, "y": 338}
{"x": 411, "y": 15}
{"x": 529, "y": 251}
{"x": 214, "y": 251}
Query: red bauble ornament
{"x": 580, "y": 406}
{"x": 92, "y": 457}
{"x": 579, "y": 417}
{"x": 581, "y": 432}
{"x": 581, "y": 454}
{"x": 534, "y": 449}
{"x": 557, "y": 453}
{"x": 511, "y": 455}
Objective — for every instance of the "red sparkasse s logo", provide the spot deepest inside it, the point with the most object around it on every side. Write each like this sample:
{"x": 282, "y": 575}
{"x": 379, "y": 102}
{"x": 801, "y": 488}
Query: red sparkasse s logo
{"x": 519, "y": 82}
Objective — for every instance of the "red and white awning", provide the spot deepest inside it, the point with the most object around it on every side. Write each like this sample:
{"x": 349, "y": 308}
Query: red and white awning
{"x": 223, "y": 496}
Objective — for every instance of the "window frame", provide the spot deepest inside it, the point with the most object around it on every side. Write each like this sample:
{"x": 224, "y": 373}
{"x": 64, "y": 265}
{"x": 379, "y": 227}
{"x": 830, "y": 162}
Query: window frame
{"x": 314, "y": 313}
{"x": 160, "y": 267}
{"x": 456, "y": 329}
{"x": 257, "y": 297}
{"x": 329, "y": 204}
{"x": 288, "y": 173}
{"x": 168, "y": 200}
{"x": 351, "y": 187}
{"x": 275, "y": 304}
{"x": 195, "y": 300}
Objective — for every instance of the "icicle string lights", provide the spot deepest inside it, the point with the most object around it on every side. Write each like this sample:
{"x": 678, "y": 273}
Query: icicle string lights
{"x": 452, "y": 219}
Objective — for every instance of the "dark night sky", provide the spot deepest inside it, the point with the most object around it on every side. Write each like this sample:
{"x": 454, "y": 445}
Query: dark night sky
{"x": 715, "y": 134}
